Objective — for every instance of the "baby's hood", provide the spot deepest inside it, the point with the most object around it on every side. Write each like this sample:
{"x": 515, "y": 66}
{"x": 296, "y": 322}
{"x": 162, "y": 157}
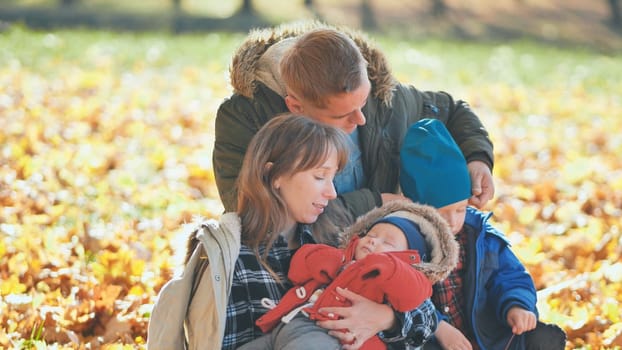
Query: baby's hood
{"x": 442, "y": 244}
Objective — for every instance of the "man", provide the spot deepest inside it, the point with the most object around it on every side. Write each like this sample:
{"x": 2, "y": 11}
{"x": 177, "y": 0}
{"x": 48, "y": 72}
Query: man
{"x": 337, "y": 77}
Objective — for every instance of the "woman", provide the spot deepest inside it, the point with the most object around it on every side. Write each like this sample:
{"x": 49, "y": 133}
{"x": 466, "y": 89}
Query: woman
{"x": 285, "y": 185}
{"x": 286, "y": 179}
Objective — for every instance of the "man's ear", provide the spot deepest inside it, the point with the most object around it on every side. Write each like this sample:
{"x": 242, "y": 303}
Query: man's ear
{"x": 293, "y": 104}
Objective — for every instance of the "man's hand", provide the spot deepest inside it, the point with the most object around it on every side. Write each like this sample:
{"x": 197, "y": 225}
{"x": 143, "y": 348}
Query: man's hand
{"x": 482, "y": 186}
{"x": 450, "y": 338}
{"x": 521, "y": 320}
{"x": 363, "y": 320}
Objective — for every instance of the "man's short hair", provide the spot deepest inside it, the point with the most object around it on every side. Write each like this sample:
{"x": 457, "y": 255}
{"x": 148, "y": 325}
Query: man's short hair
{"x": 322, "y": 63}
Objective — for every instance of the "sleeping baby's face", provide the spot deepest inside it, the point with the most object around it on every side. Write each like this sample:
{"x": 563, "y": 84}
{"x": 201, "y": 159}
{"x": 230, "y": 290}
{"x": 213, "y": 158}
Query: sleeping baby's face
{"x": 382, "y": 237}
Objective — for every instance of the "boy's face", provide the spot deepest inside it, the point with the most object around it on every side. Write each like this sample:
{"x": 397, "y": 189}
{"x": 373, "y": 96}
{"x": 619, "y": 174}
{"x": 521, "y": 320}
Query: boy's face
{"x": 454, "y": 214}
{"x": 382, "y": 237}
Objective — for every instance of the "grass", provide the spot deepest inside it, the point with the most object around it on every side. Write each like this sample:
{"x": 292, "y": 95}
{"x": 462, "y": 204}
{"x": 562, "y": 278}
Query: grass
{"x": 432, "y": 64}
{"x": 518, "y": 63}
{"x": 45, "y": 52}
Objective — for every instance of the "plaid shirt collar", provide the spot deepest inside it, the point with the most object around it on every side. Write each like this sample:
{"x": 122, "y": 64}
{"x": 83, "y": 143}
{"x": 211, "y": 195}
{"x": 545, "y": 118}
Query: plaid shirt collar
{"x": 448, "y": 295}
{"x": 304, "y": 234}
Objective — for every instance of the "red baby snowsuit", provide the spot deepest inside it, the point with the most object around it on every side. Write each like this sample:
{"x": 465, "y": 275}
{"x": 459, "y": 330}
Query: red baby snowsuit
{"x": 380, "y": 277}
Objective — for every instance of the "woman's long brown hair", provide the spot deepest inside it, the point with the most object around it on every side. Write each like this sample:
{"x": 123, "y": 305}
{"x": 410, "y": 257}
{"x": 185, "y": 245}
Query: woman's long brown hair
{"x": 291, "y": 143}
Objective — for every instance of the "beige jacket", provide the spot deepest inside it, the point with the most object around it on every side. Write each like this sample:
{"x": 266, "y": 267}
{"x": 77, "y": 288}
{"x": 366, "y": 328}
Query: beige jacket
{"x": 179, "y": 321}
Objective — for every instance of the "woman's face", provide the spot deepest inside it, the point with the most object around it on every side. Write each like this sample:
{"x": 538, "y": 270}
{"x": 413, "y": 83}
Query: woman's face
{"x": 306, "y": 193}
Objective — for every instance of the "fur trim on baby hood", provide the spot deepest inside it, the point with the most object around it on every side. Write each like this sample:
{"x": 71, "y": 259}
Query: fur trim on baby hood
{"x": 244, "y": 63}
{"x": 442, "y": 243}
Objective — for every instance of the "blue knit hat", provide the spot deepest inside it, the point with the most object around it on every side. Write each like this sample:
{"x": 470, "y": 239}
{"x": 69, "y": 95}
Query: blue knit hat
{"x": 413, "y": 235}
{"x": 433, "y": 170}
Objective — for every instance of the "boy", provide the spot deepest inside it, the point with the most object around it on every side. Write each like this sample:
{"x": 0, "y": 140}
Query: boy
{"x": 377, "y": 263}
{"x": 489, "y": 299}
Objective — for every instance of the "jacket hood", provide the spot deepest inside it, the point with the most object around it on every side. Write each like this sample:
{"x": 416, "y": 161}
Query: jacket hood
{"x": 443, "y": 246}
{"x": 243, "y": 69}
{"x": 189, "y": 234}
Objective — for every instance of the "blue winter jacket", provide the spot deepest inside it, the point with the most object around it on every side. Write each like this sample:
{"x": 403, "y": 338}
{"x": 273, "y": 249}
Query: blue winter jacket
{"x": 495, "y": 280}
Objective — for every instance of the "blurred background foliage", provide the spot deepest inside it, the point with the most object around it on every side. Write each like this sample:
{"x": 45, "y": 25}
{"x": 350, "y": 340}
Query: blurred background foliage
{"x": 595, "y": 24}
{"x": 106, "y": 131}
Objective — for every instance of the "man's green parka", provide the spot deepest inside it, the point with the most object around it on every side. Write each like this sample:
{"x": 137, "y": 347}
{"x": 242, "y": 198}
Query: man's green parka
{"x": 391, "y": 107}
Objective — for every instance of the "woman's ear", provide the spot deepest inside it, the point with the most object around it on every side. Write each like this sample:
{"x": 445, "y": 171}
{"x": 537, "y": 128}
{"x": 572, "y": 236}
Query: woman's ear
{"x": 266, "y": 170}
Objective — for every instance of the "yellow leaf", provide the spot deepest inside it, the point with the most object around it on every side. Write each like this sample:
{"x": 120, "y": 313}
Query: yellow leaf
{"x": 137, "y": 290}
{"x": 577, "y": 170}
{"x": 12, "y": 285}
{"x": 527, "y": 215}
{"x": 137, "y": 266}
{"x": 524, "y": 192}
{"x": 611, "y": 310}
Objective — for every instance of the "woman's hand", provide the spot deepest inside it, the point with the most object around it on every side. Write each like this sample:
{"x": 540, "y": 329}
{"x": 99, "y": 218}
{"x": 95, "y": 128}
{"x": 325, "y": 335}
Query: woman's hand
{"x": 362, "y": 320}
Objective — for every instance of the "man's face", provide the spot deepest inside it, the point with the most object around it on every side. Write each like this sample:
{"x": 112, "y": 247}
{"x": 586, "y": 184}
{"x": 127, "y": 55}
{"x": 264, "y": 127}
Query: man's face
{"x": 343, "y": 110}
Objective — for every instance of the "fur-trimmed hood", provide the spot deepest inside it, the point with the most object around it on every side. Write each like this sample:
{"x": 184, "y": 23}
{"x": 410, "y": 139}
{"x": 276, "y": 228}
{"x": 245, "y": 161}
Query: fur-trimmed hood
{"x": 243, "y": 70}
{"x": 442, "y": 243}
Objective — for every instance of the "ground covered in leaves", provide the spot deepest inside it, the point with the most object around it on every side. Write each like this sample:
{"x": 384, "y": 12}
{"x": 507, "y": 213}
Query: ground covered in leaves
{"x": 105, "y": 151}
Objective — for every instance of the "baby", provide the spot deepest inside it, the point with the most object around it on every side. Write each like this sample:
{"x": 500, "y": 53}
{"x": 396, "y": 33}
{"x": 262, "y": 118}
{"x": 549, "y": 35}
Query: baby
{"x": 377, "y": 263}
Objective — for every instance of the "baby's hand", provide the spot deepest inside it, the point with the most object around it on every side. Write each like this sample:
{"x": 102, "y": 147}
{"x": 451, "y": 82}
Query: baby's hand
{"x": 521, "y": 320}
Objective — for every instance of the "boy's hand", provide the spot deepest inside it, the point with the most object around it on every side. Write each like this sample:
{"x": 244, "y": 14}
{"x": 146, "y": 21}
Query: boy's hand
{"x": 521, "y": 320}
{"x": 450, "y": 338}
